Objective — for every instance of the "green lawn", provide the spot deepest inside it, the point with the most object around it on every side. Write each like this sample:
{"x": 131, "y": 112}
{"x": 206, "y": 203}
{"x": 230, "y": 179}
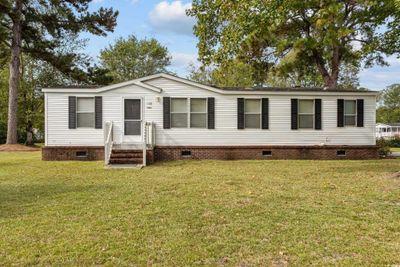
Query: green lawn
{"x": 395, "y": 149}
{"x": 213, "y": 213}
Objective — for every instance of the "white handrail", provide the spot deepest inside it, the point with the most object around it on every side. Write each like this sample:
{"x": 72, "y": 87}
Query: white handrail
{"x": 108, "y": 141}
{"x": 150, "y": 134}
{"x": 148, "y": 139}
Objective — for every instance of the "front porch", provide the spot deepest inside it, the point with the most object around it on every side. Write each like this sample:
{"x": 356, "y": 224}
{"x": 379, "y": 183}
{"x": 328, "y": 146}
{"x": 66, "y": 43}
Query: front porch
{"x": 126, "y": 155}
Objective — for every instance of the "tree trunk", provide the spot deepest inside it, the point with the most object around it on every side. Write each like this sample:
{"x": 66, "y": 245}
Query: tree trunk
{"x": 331, "y": 83}
{"x": 330, "y": 79}
{"x": 12, "y": 137}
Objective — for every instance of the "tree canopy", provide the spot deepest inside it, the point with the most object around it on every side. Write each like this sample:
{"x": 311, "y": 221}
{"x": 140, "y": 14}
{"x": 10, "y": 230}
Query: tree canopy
{"x": 389, "y": 100}
{"x": 131, "y": 58}
{"x": 45, "y": 25}
{"x": 304, "y": 36}
{"x": 37, "y": 29}
{"x": 232, "y": 74}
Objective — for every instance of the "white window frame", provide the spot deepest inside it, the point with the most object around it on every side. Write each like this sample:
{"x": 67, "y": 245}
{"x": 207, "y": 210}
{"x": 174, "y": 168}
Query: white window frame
{"x": 344, "y": 113}
{"x": 190, "y": 112}
{"x": 252, "y": 113}
{"x": 187, "y": 113}
{"x": 80, "y": 112}
{"x": 299, "y": 114}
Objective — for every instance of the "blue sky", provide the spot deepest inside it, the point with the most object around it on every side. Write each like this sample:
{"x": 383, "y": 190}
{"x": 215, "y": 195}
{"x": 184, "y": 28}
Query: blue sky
{"x": 167, "y": 22}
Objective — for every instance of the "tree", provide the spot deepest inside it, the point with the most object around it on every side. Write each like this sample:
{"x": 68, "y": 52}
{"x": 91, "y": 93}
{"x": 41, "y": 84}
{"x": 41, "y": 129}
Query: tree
{"x": 389, "y": 110}
{"x": 307, "y": 76}
{"x": 132, "y": 58}
{"x": 232, "y": 74}
{"x": 37, "y": 74}
{"x": 37, "y": 28}
{"x": 326, "y": 35}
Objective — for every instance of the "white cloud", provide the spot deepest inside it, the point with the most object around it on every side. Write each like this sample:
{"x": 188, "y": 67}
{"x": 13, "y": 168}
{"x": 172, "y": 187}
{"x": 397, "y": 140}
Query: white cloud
{"x": 183, "y": 60}
{"x": 171, "y": 17}
{"x": 378, "y": 77}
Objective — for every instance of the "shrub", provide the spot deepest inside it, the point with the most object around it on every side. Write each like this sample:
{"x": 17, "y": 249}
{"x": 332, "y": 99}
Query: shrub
{"x": 383, "y": 147}
{"x": 395, "y": 141}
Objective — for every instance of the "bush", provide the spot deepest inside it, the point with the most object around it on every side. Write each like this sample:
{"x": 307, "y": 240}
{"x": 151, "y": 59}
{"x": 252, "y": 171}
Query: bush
{"x": 383, "y": 147}
{"x": 394, "y": 142}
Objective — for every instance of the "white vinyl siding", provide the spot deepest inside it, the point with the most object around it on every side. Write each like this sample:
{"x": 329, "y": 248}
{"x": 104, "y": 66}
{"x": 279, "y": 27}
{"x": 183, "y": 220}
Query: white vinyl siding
{"x": 225, "y": 132}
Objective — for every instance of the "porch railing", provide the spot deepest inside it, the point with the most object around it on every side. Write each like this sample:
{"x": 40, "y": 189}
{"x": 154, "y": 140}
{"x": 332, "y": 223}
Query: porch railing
{"x": 150, "y": 134}
{"x": 149, "y": 139}
{"x": 108, "y": 141}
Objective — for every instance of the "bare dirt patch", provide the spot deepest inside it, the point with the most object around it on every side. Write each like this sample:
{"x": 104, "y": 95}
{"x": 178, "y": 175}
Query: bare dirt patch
{"x": 394, "y": 175}
{"x": 17, "y": 147}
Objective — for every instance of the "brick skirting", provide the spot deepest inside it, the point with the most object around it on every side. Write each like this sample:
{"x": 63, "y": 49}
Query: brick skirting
{"x": 163, "y": 153}
{"x": 73, "y": 153}
{"x": 265, "y": 152}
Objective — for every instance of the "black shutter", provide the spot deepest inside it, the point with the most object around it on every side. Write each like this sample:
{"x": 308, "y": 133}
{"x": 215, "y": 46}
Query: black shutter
{"x": 240, "y": 113}
{"x": 318, "y": 114}
{"x": 294, "y": 109}
{"x": 340, "y": 113}
{"x": 360, "y": 112}
{"x": 211, "y": 112}
{"x": 265, "y": 113}
{"x": 98, "y": 112}
{"x": 72, "y": 112}
{"x": 167, "y": 112}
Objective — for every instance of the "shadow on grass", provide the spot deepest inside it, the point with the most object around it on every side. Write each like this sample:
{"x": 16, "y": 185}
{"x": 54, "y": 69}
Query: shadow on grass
{"x": 14, "y": 199}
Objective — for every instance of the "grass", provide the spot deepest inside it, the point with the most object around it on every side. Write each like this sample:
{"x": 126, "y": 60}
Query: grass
{"x": 395, "y": 149}
{"x": 185, "y": 213}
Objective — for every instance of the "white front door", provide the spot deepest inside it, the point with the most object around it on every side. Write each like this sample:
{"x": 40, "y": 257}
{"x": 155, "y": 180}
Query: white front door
{"x": 132, "y": 117}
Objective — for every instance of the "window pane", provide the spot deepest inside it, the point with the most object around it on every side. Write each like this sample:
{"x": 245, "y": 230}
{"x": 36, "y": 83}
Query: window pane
{"x": 306, "y": 106}
{"x": 252, "y": 106}
{"x": 349, "y": 120}
{"x": 85, "y": 120}
{"x": 198, "y": 121}
{"x": 252, "y": 121}
{"x": 85, "y": 104}
{"x": 179, "y": 120}
{"x": 198, "y": 105}
{"x": 179, "y": 105}
{"x": 306, "y": 121}
{"x": 133, "y": 127}
{"x": 350, "y": 107}
{"x": 132, "y": 109}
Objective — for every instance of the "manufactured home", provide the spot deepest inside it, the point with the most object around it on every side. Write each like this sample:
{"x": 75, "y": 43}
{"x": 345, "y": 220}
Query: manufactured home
{"x": 164, "y": 117}
{"x": 387, "y": 130}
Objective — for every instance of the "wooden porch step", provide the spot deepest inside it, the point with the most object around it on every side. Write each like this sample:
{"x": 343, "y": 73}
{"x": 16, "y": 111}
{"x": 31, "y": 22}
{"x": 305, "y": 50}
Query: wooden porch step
{"x": 126, "y": 155}
{"x": 125, "y": 151}
{"x": 126, "y": 161}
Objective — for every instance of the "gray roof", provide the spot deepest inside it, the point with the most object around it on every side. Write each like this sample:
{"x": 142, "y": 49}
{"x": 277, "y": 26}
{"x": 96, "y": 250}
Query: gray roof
{"x": 76, "y": 86}
{"x": 293, "y": 89}
{"x": 244, "y": 89}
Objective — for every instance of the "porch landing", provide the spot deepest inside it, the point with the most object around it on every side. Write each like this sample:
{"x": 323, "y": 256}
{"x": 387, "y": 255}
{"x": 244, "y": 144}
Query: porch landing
{"x": 127, "y": 146}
